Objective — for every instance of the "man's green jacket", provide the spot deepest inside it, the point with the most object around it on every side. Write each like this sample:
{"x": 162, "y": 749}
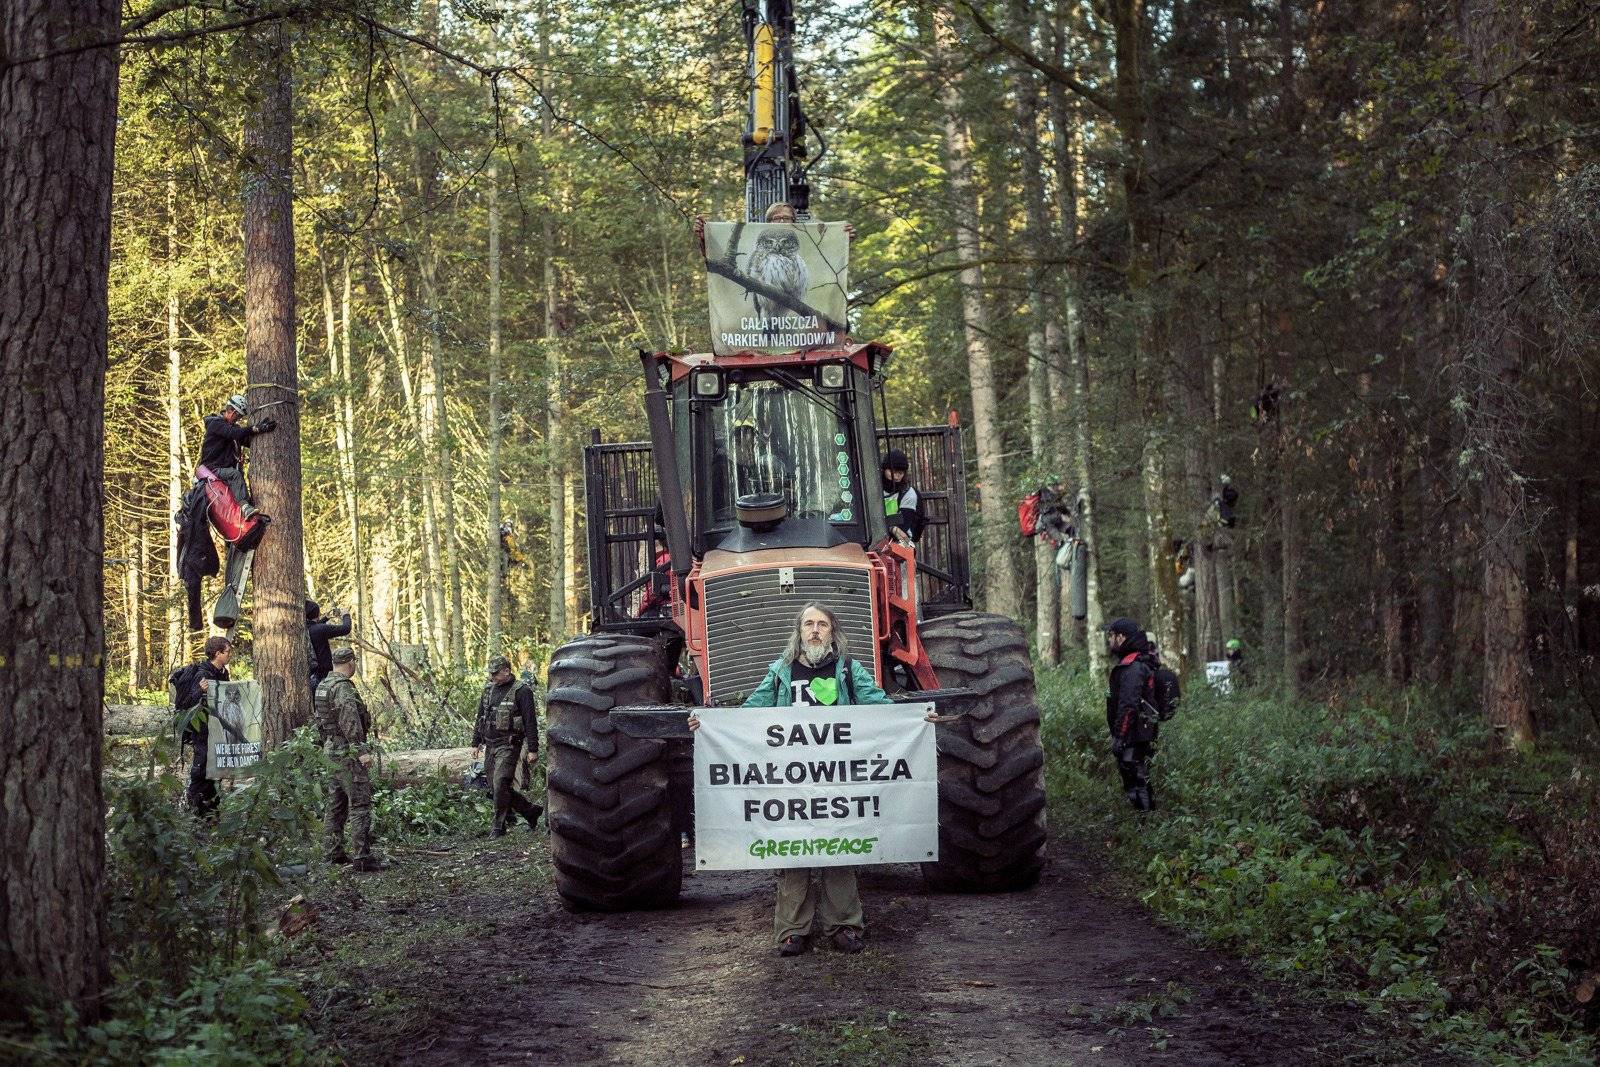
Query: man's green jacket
{"x": 774, "y": 688}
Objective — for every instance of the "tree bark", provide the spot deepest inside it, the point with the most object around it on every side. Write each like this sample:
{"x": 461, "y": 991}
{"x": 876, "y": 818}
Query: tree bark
{"x": 57, "y": 123}
{"x": 176, "y": 479}
{"x": 555, "y": 398}
{"x": 1496, "y": 429}
{"x": 1047, "y": 581}
{"x": 1075, "y": 358}
{"x": 1001, "y": 586}
{"x": 278, "y": 624}
{"x": 496, "y": 578}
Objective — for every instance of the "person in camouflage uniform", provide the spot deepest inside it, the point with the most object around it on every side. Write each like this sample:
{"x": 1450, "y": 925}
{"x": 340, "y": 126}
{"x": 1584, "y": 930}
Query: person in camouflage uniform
{"x": 342, "y": 725}
{"x": 507, "y": 716}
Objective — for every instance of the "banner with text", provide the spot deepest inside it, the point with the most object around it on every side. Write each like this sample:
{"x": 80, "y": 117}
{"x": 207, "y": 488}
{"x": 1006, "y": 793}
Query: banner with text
{"x": 815, "y": 787}
{"x": 776, "y": 287}
{"x": 233, "y": 734}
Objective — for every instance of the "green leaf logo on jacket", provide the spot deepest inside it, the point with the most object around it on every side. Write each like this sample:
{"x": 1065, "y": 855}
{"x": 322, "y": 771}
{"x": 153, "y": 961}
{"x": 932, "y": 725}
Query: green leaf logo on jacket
{"x": 825, "y": 690}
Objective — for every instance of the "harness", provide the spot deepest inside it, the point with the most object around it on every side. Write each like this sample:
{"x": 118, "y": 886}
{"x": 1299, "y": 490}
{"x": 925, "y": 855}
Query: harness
{"x": 506, "y": 719}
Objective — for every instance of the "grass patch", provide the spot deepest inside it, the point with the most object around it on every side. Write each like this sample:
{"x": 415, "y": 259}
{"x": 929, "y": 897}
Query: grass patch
{"x": 886, "y": 1040}
{"x": 1379, "y": 849}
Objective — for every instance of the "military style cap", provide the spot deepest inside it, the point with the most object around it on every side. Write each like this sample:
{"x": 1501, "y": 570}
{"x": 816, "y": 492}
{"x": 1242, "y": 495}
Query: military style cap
{"x": 499, "y": 663}
{"x": 344, "y": 655}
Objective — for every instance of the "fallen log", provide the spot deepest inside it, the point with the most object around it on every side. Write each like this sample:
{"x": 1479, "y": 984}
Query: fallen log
{"x": 416, "y": 765}
{"x": 137, "y": 720}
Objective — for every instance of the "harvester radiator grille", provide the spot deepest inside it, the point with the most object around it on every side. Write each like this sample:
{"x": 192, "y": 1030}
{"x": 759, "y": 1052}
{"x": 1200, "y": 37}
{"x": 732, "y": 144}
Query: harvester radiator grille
{"x": 749, "y": 618}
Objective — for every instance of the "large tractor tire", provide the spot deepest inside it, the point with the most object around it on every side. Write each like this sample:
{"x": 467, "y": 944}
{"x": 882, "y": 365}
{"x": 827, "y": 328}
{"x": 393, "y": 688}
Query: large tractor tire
{"x": 613, "y": 840}
{"x": 991, "y": 762}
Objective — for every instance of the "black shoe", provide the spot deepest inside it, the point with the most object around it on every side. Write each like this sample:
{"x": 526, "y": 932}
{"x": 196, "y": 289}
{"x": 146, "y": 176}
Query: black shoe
{"x": 797, "y": 945}
{"x": 848, "y": 940}
{"x": 497, "y": 831}
{"x": 533, "y": 820}
{"x": 340, "y": 858}
{"x": 367, "y": 863}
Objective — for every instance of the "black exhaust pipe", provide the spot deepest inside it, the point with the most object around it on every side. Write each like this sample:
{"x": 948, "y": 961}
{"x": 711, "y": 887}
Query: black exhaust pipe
{"x": 666, "y": 461}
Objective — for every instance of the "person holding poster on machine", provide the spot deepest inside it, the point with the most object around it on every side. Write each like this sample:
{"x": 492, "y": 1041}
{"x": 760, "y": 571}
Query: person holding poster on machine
{"x": 816, "y": 786}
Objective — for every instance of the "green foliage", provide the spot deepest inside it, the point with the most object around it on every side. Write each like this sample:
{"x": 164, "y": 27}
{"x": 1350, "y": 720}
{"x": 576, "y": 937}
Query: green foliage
{"x": 1366, "y": 847}
{"x": 193, "y": 980}
{"x": 224, "y": 1015}
{"x": 184, "y": 893}
{"x": 437, "y": 806}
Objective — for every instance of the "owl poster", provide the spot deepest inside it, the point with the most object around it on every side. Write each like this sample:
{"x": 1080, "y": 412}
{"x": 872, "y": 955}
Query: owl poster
{"x": 776, "y": 287}
{"x": 233, "y": 734}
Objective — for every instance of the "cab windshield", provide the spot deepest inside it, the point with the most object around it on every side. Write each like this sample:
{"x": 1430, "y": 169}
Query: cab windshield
{"x": 767, "y": 436}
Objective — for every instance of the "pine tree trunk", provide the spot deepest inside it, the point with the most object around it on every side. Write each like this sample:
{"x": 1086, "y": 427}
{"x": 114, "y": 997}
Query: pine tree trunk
{"x": 1496, "y": 429}
{"x": 434, "y": 390}
{"x": 432, "y": 599}
{"x": 177, "y": 479}
{"x": 278, "y": 622}
{"x": 496, "y": 576}
{"x": 1076, "y": 377}
{"x": 1001, "y": 587}
{"x": 349, "y": 463}
{"x": 57, "y": 123}
{"x": 555, "y": 399}
{"x": 1047, "y": 581}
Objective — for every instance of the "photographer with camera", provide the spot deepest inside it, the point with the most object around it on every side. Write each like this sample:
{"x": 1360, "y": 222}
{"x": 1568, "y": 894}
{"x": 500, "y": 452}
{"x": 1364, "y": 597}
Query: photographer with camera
{"x": 319, "y": 632}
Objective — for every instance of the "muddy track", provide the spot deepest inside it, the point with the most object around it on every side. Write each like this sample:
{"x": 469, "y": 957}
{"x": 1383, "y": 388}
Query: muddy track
{"x": 1057, "y": 975}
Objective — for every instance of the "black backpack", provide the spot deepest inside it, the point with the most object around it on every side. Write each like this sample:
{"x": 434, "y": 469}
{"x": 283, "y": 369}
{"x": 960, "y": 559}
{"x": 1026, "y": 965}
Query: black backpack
{"x": 1164, "y": 692}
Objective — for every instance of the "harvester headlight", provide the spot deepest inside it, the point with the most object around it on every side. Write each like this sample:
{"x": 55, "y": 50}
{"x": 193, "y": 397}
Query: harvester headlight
{"x": 708, "y": 385}
{"x": 831, "y": 376}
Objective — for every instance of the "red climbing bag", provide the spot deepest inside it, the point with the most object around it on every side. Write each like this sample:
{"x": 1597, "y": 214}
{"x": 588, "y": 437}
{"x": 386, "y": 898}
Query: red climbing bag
{"x": 1028, "y": 514}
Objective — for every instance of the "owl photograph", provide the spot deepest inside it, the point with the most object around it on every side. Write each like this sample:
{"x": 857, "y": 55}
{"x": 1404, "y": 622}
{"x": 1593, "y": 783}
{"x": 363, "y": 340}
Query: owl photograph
{"x": 776, "y": 261}
{"x": 776, "y": 287}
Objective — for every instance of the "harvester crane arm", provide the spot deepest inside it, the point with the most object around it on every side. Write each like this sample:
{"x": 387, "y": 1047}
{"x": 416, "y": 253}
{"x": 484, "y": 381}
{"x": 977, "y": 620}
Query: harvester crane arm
{"x": 775, "y": 126}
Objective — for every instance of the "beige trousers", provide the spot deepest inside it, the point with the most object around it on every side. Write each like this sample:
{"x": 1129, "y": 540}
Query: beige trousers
{"x": 806, "y": 892}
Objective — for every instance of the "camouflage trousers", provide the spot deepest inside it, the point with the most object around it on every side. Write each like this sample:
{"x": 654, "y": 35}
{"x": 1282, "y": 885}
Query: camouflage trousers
{"x": 349, "y": 797}
{"x": 500, "y": 759}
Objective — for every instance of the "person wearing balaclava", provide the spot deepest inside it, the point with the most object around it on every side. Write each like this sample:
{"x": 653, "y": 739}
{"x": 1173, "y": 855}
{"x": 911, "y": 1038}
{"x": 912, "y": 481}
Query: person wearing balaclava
{"x": 900, "y": 498}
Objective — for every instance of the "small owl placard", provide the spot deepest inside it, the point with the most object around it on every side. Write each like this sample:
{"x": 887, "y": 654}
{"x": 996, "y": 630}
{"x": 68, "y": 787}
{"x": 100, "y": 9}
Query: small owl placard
{"x": 777, "y": 287}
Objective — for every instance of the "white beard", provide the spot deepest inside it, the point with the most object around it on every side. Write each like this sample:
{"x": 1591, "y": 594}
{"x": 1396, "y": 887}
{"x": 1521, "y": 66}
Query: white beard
{"x": 813, "y": 653}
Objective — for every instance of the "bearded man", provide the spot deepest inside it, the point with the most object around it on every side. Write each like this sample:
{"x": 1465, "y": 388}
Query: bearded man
{"x": 816, "y": 671}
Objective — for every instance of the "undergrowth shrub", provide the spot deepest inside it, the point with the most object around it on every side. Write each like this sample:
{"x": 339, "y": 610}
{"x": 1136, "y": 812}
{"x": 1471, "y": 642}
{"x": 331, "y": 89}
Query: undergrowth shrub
{"x": 1390, "y": 850}
{"x": 192, "y": 978}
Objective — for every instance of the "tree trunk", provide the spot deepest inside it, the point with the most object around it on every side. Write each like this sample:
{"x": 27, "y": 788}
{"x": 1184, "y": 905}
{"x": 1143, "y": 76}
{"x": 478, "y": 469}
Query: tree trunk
{"x": 432, "y": 600}
{"x": 1496, "y": 430}
{"x": 434, "y": 390}
{"x": 176, "y": 477}
{"x": 1001, "y": 588}
{"x": 496, "y": 576}
{"x": 349, "y": 462}
{"x": 1047, "y": 581}
{"x": 555, "y": 399}
{"x": 57, "y": 122}
{"x": 1075, "y": 359}
{"x": 278, "y": 623}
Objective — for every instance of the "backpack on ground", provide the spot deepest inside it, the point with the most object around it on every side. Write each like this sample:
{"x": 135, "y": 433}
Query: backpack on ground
{"x": 1028, "y": 514}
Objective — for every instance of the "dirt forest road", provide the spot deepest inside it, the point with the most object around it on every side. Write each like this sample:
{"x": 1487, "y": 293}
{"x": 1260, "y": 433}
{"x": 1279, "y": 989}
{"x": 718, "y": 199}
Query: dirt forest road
{"x": 1058, "y": 975}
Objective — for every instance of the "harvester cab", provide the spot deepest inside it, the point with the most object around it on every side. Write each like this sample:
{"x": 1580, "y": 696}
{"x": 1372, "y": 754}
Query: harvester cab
{"x": 762, "y": 479}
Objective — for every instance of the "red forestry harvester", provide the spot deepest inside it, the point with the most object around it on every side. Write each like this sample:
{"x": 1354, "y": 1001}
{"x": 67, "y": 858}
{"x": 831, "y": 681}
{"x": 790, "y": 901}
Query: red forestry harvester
{"x": 738, "y": 565}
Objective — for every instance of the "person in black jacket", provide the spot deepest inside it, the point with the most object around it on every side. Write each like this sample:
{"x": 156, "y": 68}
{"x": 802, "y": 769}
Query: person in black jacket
{"x": 900, "y": 498}
{"x": 193, "y": 685}
{"x": 1130, "y": 715}
{"x": 319, "y": 631}
{"x": 223, "y": 448}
